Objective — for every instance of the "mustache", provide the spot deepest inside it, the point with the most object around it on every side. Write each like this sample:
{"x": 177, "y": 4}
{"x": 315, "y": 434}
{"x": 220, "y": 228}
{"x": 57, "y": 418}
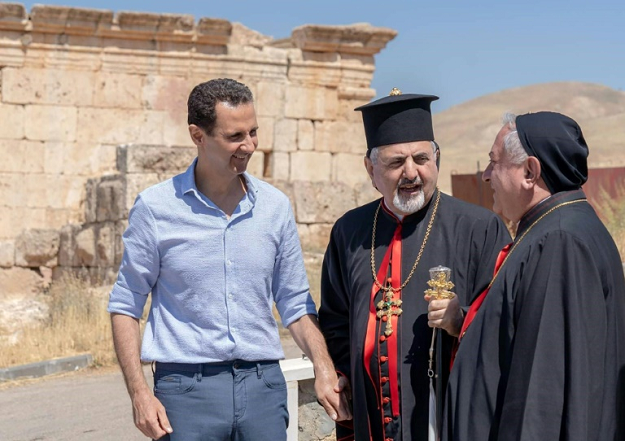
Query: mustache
{"x": 415, "y": 181}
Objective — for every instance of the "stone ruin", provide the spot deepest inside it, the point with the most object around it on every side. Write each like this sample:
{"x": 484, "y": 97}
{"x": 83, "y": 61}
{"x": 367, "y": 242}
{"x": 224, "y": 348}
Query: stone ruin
{"x": 93, "y": 110}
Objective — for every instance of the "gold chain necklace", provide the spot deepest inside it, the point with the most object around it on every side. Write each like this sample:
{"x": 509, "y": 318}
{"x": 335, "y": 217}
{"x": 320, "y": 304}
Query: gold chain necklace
{"x": 414, "y": 267}
{"x": 527, "y": 231}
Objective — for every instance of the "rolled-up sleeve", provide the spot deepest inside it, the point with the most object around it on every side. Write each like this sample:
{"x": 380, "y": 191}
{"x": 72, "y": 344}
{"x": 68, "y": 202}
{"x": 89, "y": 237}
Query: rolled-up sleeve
{"x": 140, "y": 263}
{"x": 290, "y": 283}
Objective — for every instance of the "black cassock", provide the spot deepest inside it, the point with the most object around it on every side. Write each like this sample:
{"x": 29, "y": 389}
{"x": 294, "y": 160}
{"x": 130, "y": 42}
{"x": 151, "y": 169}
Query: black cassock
{"x": 463, "y": 237}
{"x": 544, "y": 358}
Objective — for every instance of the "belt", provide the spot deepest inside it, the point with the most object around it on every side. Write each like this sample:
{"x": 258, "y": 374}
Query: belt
{"x": 208, "y": 368}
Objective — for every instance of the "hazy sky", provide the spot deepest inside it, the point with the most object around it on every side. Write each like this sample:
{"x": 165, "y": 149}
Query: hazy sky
{"x": 456, "y": 49}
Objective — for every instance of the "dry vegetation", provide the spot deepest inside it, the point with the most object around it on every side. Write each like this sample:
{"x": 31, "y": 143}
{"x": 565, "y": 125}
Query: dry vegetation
{"x": 77, "y": 323}
{"x": 612, "y": 213}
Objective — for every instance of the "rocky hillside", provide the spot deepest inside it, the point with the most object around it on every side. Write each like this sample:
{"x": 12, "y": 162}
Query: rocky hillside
{"x": 466, "y": 132}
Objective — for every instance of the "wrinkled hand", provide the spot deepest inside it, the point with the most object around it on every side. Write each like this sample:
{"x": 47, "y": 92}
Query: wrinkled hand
{"x": 334, "y": 394}
{"x": 445, "y": 314}
{"x": 150, "y": 416}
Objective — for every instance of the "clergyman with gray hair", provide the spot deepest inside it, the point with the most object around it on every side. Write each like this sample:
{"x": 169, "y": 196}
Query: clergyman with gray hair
{"x": 216, "y": 248}
{"x": 542, "y": 353}
{"x": 374, "y": 315}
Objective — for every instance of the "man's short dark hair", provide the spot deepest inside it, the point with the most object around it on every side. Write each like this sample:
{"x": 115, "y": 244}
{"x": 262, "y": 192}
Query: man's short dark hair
{"x": 205, "y": 96}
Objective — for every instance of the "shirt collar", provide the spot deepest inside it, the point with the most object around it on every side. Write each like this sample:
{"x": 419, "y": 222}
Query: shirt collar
{"x": 188, "y": 182}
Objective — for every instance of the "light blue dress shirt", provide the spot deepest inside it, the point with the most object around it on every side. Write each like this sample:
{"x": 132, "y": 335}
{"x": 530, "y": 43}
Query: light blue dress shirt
{"x": 213, "y": 280}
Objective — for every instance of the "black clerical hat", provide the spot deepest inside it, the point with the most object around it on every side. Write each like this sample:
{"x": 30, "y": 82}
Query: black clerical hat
{"x": 398, "y": 118}
{"x": 558, "y": 143}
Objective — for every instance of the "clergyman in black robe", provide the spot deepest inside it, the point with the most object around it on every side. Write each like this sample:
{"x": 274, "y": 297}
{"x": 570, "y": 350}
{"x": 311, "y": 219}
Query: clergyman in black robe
{"x": 380, "y": 347}
{"x": 542, "y": 354}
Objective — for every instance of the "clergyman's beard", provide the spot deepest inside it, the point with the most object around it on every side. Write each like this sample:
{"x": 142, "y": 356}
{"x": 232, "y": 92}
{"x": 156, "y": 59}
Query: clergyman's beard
{"x": 409, "y": 203}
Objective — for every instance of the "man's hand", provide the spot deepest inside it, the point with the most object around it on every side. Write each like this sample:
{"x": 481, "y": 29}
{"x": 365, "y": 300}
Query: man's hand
{"x": 150, "y": 416}
{"x": 445, "y": 314}
{"x": 334, "y": 394}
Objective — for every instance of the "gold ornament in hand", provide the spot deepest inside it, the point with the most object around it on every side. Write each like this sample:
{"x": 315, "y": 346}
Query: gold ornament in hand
{"x": 440, "y": 284}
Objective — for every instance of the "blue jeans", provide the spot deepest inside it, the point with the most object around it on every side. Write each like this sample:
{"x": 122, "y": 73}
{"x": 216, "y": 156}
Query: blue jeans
{"x": 233, "y": 401}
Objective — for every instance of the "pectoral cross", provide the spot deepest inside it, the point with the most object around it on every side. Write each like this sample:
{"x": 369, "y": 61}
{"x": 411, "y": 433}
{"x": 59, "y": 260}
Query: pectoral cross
{"x": 387, "y": 308}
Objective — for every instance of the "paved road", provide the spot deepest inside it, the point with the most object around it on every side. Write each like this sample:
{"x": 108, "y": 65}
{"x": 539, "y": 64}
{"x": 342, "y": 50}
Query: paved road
{"x": 90, "y": 405}
{"x": 87, "y": 406}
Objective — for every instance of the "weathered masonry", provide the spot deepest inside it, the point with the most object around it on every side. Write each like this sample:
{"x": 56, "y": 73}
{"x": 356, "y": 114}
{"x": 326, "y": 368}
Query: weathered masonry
{"x": 93, "y": 109}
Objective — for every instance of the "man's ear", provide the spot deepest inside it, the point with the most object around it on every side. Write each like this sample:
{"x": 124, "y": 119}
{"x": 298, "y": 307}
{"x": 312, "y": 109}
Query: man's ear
{"x": 197, "y": 134}
{"x": 369, "y": 167}
{"x": 532, "y": 170}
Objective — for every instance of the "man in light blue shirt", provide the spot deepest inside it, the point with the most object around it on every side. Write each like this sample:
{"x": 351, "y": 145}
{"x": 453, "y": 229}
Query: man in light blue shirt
{"x": 217, "y": 248}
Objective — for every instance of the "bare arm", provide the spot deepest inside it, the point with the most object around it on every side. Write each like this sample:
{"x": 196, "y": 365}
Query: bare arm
{"x": 308, "y": 337}
{"x": 149, "y": 414}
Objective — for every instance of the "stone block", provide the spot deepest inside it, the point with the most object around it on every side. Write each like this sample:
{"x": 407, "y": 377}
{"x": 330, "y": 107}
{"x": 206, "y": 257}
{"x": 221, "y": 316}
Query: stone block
{"x": 12, "y": 118}
{"x": 166, "y": 93}
{"x": 349, "y": 169}
{"x": 340, "y": 137}
{"x": 346, "y": 108}
{"x": 18, "y": 281}
{"x": 67, "y": 245}
{"x": 120, "y": 227}
{"x": 110, "y": 199}
{"x": 314, "y": 73}
{"x": 21, "y": 156}
{"x": 52, "y": 123}
{"x": 59, "y": 217}
{"x": 136, "y": 183}
{"x": 85, "y": 247}
{"x": 63, "y": 19}
{"x": 18, "y": 218}
{"x": 62, "y": 87}
{"x": 155, "y": 158}
{"x": 321, "y": 202}
{"x": 120, "y": 126}
{"x": 305, "y": 135}
{"x": 314, "y": 237}
{"x": 311, "y": 166}
{"x": 105, "y": 245}
{"x": 176, "y": 130}
{"x": 12, "y": 13}
{"x": 60, "y": 191}
{"x": 359, "y": 38}
{"x": 269, "y": 99}
{"x": 117, "y": 90}
{"x": 256, "y": 166}
{"x": 213, "y": 31}
{"x": 266, "y": 128}
{"x": 317, "y": 103}
{"x": 37, "y": 247}
{"x": 366, "y": 193}
{"x": 76, "y": 158}
{"x": 278, "y": 166}
{"x": 7, "y": 253}
{"x": 285, "y": 135}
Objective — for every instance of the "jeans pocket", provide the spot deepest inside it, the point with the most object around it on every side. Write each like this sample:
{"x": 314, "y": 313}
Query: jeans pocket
{"x": 169, "y": 382}
{"x": 273, "y": 377}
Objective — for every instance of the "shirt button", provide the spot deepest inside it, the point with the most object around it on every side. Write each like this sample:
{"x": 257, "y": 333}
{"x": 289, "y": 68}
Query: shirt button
{"x": 230, "y": 296}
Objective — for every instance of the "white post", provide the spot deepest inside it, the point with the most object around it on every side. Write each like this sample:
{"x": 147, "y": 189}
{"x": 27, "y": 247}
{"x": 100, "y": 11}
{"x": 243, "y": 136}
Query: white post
{"x": 294, "y": 370}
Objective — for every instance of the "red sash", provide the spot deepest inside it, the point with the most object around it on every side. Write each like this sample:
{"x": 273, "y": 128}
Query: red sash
{"x": 475, "y": 306}
{"x": 392, "y": 256}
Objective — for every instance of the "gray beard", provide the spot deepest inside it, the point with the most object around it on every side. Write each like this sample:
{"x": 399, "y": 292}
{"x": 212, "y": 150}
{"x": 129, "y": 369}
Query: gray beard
{"x": 409, "y": 204}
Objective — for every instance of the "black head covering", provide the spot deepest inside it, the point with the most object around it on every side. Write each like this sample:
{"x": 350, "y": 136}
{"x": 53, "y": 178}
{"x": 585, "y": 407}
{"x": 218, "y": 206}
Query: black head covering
{"x": 558, "y": 143}
{"x": 397, "y": 118}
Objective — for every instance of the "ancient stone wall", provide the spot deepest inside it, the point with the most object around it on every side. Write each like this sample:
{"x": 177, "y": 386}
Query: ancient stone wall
{"x": 93, "y": 110}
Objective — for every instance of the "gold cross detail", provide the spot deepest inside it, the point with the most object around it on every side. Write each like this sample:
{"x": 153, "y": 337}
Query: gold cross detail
{"x": 387, "y": 308}
{"x": 441, "y": 285}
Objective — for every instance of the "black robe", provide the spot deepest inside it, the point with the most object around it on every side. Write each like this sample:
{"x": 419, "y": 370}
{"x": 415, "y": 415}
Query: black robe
{"x": 464, "y": 237}
{"x": 544, "y": 358}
